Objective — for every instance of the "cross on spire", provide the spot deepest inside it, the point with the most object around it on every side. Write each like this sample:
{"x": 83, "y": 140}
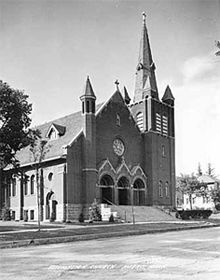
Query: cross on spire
{"x": 144, "y": 17}
{"x": 117, "y": 83}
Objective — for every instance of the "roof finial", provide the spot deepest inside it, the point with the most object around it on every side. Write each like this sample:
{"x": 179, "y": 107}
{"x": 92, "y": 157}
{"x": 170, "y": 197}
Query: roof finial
{"x": 117, "y": 83}
{"x": 144, "y": 18}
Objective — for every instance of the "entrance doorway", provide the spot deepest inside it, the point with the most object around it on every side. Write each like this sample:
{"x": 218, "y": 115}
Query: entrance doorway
{"x": 107, "y": 188}
{"x": 123, "y": 191}
{"x": 139, "y": 192}
{"x": 51, "y": 209}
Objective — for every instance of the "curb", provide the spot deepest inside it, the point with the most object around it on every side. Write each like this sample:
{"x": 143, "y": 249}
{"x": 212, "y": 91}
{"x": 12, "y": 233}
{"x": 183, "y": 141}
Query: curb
{"x": 65, "y": 239}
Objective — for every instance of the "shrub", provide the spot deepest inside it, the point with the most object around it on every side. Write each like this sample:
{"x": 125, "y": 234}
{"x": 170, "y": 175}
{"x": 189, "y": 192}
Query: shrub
{"x": 81, "y": 217}
{"x": 94, "y": 212}
{"x": 5, "y": 212}
{"x": 111, "y": 219}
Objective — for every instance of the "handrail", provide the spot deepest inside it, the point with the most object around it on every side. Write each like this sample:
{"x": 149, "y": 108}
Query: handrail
{"x": 117, "y": 206}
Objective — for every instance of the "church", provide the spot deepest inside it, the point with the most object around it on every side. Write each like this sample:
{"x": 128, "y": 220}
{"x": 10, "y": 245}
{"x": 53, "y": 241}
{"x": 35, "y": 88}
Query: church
{"x": 121, "y": 152}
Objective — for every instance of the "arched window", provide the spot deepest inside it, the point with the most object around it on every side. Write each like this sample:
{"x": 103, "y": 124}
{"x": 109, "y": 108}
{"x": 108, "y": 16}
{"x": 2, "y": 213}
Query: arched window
{"x": 163, "y": 150}
{"x": 118, "y": 120}
{"x": 25, "y": 185}
{"x": 87, "y": 106}
{"x": 167, "y": 189}
{"x": 93, "y": 107}
{"x": 32, "y": 184}
{"x": 160, "y": 189}
{"x": 83, "y": 105}
{"x": 140, "y": 120}
{"x": 50, "y": 176}
{"x": 13, "y": 187}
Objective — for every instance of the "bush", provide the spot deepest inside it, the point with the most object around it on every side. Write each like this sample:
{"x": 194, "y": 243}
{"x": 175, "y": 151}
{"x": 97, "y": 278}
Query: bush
{"x": 81, "y": 218}
{"x": 111, "y": 219}
{"x": 5, "y": 212}
{"x": 94, "y": 212}
{"x": 195, "y": 214}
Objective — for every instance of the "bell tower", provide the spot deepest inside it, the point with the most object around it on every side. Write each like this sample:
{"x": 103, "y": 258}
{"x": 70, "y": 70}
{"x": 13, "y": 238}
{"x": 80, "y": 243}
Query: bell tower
{"x": 89, "y": 172}
{"x": 155, "y": 119}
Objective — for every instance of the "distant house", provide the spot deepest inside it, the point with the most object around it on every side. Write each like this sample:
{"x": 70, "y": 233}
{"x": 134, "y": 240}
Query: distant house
{"x": 198, "y": 202}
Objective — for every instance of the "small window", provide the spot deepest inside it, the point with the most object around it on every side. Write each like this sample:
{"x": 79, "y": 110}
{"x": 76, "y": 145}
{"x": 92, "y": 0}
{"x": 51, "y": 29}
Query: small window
{"x": 167, "y": 189}
{"x": 83, "y": 105}
{"x": 163, "y": 150}
{"x": 53, "y": 134}
{"x": 50, "y": 176}
{"x": 140, "y": 120}
{"x": 118, "y": 120}
{"x": 32, "y": 184}
{"x": 160, "y": 189}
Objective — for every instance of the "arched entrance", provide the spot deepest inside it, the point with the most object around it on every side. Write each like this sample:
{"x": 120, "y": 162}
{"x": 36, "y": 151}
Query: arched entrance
{"x": 139, "y": 192}
{"x": 123, "y": 191}
{"x": 51, "y": 203}
{"x": 107, "y": 187}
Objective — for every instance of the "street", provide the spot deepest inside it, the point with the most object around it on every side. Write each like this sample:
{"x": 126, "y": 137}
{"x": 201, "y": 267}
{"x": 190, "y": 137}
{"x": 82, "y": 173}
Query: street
{"x": 192, "y": 254}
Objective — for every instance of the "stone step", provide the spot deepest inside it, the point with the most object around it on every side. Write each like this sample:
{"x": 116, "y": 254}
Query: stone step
{"x": 142, "y": 213}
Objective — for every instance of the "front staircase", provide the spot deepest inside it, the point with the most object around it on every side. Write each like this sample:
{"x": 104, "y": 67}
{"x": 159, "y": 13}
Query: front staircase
{"x": 141, "y": 213}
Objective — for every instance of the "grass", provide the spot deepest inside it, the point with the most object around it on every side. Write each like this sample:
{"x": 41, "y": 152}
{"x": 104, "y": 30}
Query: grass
{"x": 60, "y": 231}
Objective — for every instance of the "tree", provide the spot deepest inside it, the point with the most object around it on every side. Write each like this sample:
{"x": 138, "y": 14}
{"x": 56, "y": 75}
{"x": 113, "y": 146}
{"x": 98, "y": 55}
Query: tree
{"x": 15, "y": 133}
{"x": 199, "y": 171}
{"x": 210, "y": 171}
{"x": 217, "y": 43}
{"x": 38, "y": 148}
{"x": 192, "y": 187}
{"x": 215, "y": 195}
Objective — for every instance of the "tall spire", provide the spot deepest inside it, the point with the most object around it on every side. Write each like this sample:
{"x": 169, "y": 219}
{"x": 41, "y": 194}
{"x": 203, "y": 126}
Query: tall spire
{"x": 146, "y": 84}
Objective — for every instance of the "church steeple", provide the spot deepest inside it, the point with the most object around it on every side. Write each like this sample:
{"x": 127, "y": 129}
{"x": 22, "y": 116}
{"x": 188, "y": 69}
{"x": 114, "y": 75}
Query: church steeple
{"x": 146, "y": 84}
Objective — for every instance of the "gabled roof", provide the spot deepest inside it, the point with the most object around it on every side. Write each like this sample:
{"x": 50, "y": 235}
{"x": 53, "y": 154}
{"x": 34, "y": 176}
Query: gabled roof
{"x": 206, "y": 179}
{"x": 59, "y": 128}
{"x": 72, "y": 124}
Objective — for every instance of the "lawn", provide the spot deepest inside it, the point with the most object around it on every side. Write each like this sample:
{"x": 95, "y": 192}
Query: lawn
{"x": 53, "y": 231}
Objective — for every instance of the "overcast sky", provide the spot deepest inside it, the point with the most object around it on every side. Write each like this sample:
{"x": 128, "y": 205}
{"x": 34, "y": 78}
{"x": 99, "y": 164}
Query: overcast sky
{"x": 47, "y": 48}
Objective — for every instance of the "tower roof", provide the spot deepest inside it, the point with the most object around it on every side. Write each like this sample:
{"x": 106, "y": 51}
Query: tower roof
{"x": 88, "y": 91}
{"x": 145, "y": 68}
{"x": 168, "y": 94}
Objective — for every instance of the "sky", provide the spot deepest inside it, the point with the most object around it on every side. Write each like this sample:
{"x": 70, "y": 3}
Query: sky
{"x": 48, "y": 47}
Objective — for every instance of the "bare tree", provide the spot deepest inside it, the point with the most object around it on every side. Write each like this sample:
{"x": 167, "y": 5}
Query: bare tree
{"x": 38, "y": 148}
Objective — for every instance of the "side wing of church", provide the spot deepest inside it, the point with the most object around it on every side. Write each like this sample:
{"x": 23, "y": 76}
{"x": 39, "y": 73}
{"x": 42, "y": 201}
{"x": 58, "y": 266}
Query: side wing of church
{"x": 119, "y": 152}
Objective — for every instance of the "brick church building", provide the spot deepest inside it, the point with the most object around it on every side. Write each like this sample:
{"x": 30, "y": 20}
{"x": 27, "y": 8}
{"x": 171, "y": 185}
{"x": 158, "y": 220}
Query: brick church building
{"x": 120, "y": 152}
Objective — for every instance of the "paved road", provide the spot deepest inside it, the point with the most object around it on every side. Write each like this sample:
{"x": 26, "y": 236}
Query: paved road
{"x": 193, "y": 254}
